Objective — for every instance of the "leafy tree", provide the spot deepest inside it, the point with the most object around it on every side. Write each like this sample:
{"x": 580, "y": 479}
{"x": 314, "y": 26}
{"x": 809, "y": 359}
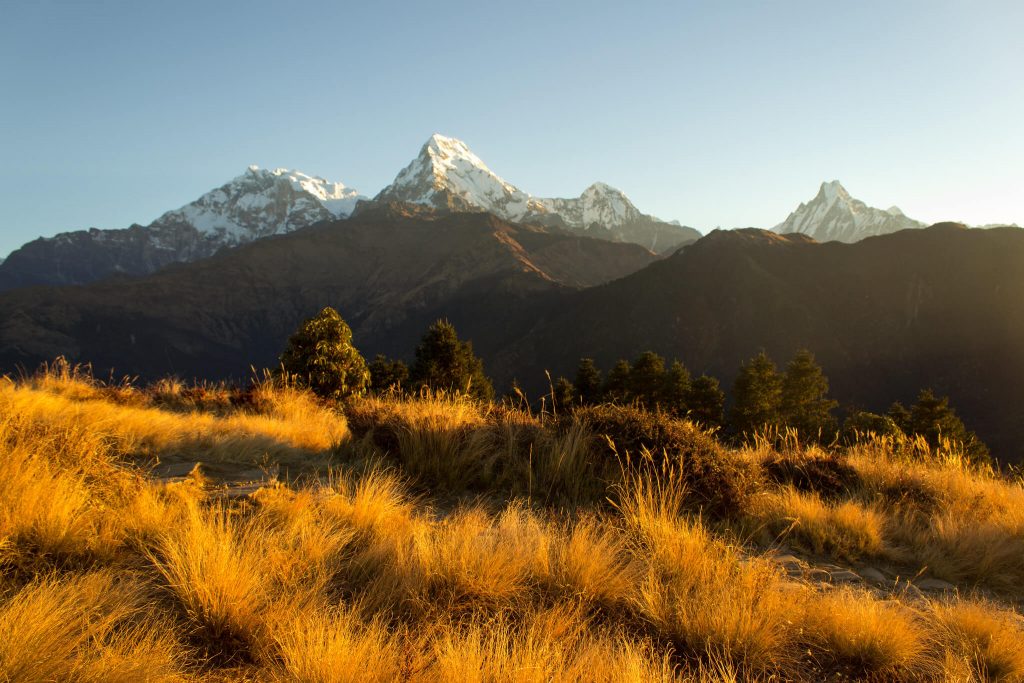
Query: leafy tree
{"x": 443, "y": 361}
{"x": 588, "y": 381}
{"x": 675, "y": 388}
{"x": 706, "y": 401}
{"x": 617, "y": 384}
{"x": 564, "y": 395}
{"x": 805, "y": 405}
{"x": 934, "y": 419}
{"x": 757, "y": 395}
{"x": 386, "y": 373}
{"x": 646, "y": 378}
{"x": 320, "y": 356}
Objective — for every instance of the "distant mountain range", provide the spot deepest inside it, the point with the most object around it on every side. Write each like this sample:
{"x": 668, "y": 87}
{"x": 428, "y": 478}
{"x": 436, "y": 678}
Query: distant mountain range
{"x": 257, "y": 204}
{"x": 261, "y": 203}
{"x": 834, "y": 216}
{"x": 446, "y": 176}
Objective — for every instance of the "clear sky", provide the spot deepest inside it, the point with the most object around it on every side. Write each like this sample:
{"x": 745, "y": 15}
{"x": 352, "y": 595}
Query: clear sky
{"x": 713, "y": 113}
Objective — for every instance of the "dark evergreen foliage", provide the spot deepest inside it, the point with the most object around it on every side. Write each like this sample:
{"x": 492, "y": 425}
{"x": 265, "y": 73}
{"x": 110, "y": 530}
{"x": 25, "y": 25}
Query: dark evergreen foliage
{"x": 443, "y": 361}
{"x": 675, "y": 389}
{"x": 645, "y": 379}
{"x": 757, "y": 396}
{"x": 617, "y": 384}
{"x": 805, "y": 405}
{"x": 320, "y": 356}
{"x": 386, "y": 373}
{"x": 588, "y": 382}
{"x": 706, "y": 402}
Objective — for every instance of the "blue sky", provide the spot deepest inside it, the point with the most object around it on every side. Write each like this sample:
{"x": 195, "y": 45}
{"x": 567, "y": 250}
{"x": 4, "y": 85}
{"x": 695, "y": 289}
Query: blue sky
{"x": 713, "y": 113}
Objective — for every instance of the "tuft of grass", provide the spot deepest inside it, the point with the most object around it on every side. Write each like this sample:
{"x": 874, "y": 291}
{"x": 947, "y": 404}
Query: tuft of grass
{"x": 92, "y": 627}
{"x": 211, "y": 564}
{"x": 552, "y": 644}
{"x": 980, "y": 639}
{"x": 867, "y": 636}
{"x": 699, "y": 591}
{"x": 332, "y": 645}
{"x": 848, "y": 530}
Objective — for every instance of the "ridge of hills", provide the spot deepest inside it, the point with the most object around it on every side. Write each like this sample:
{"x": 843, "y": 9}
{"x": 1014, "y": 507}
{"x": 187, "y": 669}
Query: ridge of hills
{"x": 887, "y": 316}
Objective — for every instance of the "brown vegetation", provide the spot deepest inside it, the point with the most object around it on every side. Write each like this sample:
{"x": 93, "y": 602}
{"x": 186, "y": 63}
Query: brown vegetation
{"x": 436, "y": 539}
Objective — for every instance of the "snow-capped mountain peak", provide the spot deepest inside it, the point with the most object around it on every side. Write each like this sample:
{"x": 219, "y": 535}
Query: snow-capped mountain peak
{"x": 834, "y": 215}
{"x": 263, "y": 202}
{"x": 447, "y": 174}
{"x": 599, "y": 204}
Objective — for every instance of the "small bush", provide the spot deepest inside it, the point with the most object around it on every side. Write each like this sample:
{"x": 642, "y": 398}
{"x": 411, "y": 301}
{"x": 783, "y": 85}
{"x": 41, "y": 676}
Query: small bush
{"x": 719, "y": 482}
{"x": 830, "y": 476}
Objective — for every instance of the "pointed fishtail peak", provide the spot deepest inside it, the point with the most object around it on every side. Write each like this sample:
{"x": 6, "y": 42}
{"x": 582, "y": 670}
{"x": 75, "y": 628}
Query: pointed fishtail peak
{"x": 834, "y": 215}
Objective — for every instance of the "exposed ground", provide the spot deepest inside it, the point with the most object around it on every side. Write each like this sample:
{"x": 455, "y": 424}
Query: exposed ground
{"x": 177, "y": 533}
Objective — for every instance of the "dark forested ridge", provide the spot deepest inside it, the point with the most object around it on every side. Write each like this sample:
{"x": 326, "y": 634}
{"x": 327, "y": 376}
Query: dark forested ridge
{"x": 939, "y": 307}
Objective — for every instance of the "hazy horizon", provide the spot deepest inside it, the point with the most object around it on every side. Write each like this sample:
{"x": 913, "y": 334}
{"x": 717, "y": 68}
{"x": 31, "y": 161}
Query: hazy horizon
{"x": 705, "y": 114}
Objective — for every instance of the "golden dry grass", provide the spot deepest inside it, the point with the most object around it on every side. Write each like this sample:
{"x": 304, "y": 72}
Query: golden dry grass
{"x": 524, "y": 569}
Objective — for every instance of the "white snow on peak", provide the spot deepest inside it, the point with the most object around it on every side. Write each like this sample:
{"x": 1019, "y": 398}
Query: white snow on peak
{"x": 446, "y": 169}
{"x": 262, "y": 202}
{"x": 446, "y": 166}
{"x": 833, "y": 215}
{"x": 599, "y": 204}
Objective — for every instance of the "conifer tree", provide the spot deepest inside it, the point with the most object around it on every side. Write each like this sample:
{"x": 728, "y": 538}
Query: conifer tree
{"x": 443, "y": 361}
{"x": 564, "y": 395}
{"x": 757, "y": 394}
{"x": 386, "y": 373}
{"x": 934, "y": 419}
{"x": 320, "y": 356}
{"x": 900, "y": 416}
{"x": 675, "y": 389}
{"x": 646, "y": 378}
{"x": 706, "y": 401}
{"x": 588, "y": 382}
{"x": 617, "y": 384}
{"x": 805, "y": 404}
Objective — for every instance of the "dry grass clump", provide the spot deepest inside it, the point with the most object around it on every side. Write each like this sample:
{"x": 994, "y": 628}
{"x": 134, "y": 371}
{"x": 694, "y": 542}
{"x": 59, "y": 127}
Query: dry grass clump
{"x": 698, "y": 590}
{"x": 332, "y": 645}
{"x": 57, "y": 487}
{"x": 810, "y": 470}
{"x": 868, "y": 636}
{"x": 211, "y": 564}
{"x": 439, "y": 438}
{"x": 848, "y": 530}
{"x": 550, "y": 644}
{"x": 980, "y": 640}
{"x": 960, "y": 522}
{"x": 93, "y": 627}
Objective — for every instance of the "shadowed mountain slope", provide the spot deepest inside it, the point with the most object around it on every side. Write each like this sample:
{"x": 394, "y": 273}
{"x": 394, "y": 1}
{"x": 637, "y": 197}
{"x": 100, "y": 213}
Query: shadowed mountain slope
{"x": 390, "y": 271}
{"x": 938, "y": 307}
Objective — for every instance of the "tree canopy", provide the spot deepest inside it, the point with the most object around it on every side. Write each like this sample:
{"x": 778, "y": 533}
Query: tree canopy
{"x": 443, "y": 361}
{"x": 320, "y": 356}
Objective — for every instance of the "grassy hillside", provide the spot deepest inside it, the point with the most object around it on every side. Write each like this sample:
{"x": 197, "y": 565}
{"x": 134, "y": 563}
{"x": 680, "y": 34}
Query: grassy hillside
{"x": 198, "y": 533}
